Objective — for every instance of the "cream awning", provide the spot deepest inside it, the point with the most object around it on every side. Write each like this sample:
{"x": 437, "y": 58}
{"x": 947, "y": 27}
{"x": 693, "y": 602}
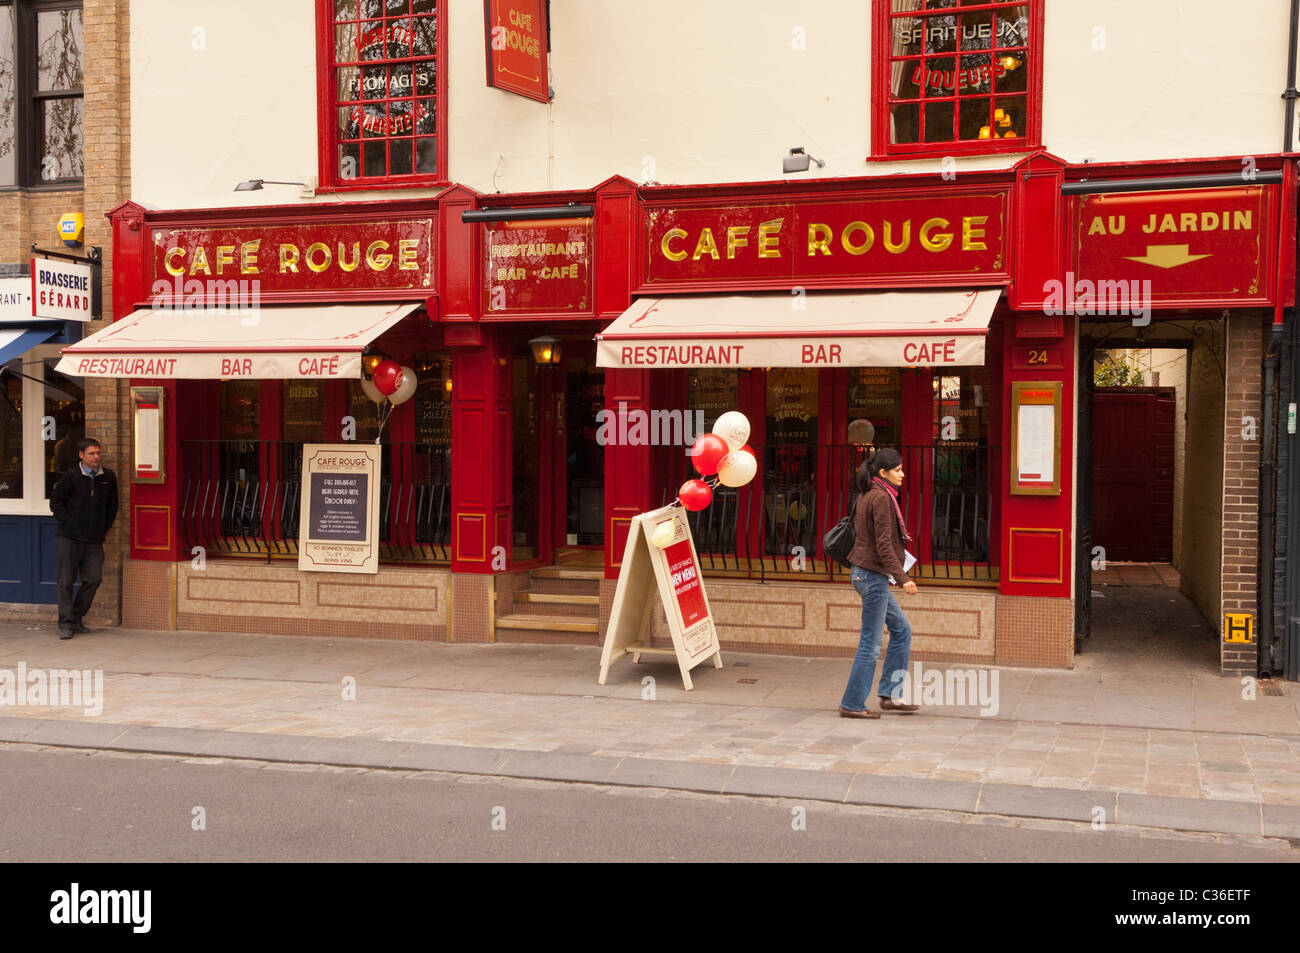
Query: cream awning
{"x": 817, "y": 329}
{"x": 273, "y": 342}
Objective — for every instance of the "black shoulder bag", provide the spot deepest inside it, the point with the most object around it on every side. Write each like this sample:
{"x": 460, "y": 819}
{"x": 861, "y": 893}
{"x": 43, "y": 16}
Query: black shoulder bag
{"x": 840, "y": 538}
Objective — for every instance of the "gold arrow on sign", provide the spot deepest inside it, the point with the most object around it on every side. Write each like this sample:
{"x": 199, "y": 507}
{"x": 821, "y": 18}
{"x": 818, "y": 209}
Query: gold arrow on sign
{"x": 1166, "y": 256}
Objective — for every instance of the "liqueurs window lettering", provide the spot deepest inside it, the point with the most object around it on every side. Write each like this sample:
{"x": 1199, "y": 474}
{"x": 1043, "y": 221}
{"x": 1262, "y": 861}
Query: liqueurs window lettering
{"x": 385, "y": 80}
{"x": 958, "y": 72}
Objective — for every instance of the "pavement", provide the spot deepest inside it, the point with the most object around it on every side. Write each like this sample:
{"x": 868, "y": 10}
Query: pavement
{"x": 1151, "y": 736}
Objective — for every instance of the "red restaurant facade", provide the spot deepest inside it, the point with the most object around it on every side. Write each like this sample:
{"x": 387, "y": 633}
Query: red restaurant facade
{"x": 569, "y": 345}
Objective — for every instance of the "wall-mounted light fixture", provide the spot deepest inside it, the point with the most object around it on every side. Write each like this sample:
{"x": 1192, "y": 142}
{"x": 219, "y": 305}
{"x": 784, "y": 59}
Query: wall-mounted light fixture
{"x": 255, "y": 185}
{"x": 546, "y": 350}
{"x": 797, "y": 161}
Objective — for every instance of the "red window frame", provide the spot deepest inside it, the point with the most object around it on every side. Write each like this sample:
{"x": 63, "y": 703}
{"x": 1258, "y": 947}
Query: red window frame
{"x": 882, "y": 59}
{"x": 329, "y": 178}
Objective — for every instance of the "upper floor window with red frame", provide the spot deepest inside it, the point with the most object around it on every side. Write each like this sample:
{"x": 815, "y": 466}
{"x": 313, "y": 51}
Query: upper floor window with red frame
{"x": 956, "y": 77}
{"x": 382, "y": 121}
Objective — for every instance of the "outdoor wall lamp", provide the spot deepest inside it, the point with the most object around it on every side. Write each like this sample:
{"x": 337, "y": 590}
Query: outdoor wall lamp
{"x": 370, "y": 360}
{"x": 255, "y": 185}
{"x": 546, "y": 349}
{"x": 797, "y": 161}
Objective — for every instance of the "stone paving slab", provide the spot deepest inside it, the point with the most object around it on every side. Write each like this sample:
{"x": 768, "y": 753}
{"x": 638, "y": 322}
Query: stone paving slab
{"x": 423, "y": 706}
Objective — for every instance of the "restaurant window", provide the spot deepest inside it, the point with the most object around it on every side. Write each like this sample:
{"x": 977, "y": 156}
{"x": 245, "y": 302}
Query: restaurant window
{"x": 875, "y": 407}
{"x": 957, "y": 77}
{"x": 364, "y": 413}
{"x": 790, "y": 459}
{"x": 382, "y": 120}
{"x": 11, "y": 431}
{"x": 960, "y": 481}
{"x": 302, "y": 411}
{"x": 64, "y": 404}
{"x": 41, "y": 100}
{"x": 42, "y": 417}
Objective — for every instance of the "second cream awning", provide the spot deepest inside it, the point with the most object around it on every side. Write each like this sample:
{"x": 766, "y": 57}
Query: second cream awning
{"x": 818, "y": 329}
{"x": 274, "y": 342}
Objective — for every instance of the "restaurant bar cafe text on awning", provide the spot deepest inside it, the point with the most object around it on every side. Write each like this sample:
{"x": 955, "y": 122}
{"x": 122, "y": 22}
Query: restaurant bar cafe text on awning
{"x": 819, "y": 329}
{"x": 274, "y": 342}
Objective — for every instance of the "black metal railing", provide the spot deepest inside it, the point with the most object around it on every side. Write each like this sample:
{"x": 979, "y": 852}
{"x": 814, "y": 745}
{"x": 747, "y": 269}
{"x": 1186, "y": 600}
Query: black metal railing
{"x": 774, "y": 526}
{"x": 243, "y": 497}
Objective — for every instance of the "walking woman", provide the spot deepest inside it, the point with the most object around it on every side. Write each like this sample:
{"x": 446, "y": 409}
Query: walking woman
{"x": 878, "y": 554}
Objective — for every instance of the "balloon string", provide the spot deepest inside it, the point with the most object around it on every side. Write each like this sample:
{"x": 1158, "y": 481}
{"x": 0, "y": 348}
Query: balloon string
{"x": 383, "y": 419}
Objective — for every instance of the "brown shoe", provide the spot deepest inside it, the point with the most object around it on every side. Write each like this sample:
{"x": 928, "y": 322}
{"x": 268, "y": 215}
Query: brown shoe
{"x": 888, "y": 704}
{"x": 865, "y": 713}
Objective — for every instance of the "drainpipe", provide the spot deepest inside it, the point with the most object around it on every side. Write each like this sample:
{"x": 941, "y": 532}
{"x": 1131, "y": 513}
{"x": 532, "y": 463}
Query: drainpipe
{"x": 1268, "y": 465}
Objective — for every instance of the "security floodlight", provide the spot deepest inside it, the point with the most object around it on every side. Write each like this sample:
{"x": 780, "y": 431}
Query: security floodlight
{"x": 797, "y": 161}
{"x": 255, "y": 185}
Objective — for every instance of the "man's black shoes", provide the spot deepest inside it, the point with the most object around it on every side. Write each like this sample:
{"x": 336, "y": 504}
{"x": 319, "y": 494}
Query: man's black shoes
{"x": 65, "y": 631}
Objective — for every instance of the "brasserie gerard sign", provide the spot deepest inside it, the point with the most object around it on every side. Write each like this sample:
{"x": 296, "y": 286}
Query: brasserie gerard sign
{"x": 886, "y": 240}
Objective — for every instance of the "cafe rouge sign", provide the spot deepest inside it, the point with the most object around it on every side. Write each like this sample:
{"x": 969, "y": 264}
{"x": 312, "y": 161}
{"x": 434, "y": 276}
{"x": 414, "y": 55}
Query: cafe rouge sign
{"x": 1193, "y": 246}
{"x": 393, "y": 255}
{"x": 864, "y": 240}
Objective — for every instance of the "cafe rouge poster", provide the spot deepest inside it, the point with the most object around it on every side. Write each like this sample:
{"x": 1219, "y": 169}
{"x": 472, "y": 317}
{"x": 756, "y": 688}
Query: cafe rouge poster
{"x": 339, "y": 517}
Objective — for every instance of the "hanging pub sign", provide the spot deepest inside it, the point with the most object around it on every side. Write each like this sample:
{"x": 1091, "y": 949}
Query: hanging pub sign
{"x": 1178, "y": 248}
{"x": 339, "y": 514}
{"x": 517, "y": 38}
{"x": 880, "y": 240}
{"x": 246, "y": 263}
{"x": 61, "y": 290}
{"x": 672, "y": 572}
{"x": 537, "y": 267}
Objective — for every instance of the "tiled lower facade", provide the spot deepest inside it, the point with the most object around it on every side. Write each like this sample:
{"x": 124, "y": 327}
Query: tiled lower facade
{"x": 948, "y": 625}
{"x": 239, "y": 596}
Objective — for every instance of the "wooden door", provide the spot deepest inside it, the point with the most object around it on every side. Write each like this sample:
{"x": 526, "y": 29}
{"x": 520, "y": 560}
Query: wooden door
{"x": 1133, "y": 473}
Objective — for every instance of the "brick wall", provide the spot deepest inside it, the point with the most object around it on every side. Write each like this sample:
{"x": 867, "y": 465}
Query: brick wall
{"x": 1201, "y": 554}
{"x": 1243, "y": 398}
{"x": 27, "y": 217}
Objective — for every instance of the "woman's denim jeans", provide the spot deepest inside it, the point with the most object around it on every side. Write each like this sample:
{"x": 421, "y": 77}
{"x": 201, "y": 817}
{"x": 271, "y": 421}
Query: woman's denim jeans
{"x": 879, "y": 608}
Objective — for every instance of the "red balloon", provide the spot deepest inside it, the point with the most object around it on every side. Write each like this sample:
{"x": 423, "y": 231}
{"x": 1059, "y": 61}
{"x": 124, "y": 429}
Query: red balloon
{"x": 387, "y": 377}
{"x": 750, "y": 450}
{"x": 707, "y": 453}
{"x": 695, "y": 494}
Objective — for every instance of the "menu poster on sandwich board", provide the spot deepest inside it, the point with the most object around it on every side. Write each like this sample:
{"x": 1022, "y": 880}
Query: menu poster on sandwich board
{"x": 339, "y": 518}
{"x": 673, "y": 574}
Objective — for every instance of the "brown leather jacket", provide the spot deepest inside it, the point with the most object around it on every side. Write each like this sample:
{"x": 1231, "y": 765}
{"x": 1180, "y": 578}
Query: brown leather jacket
{"x": 878, "y": 545}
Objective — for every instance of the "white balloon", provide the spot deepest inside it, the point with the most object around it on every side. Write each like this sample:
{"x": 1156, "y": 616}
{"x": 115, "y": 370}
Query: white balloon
{"x": 733, "y": 427}
{"x": 406, "y": 389}
{"x": 371, "y": 391}
{"x": 663, "y": 535}
{"x": 737, "y": 468}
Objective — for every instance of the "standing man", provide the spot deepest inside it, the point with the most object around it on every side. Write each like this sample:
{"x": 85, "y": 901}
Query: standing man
{"x": 84, "y": 502}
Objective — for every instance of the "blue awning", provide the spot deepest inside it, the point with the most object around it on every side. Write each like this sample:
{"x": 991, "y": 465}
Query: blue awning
{"x": 21, "y": 339}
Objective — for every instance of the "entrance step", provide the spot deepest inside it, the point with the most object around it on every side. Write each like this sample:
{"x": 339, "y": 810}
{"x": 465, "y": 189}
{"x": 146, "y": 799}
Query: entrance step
{"x": 567, "y": 572}
{"x": 567, "y": 598}
{"x": 548, "y": 623}
{"x": 572, "y": 587}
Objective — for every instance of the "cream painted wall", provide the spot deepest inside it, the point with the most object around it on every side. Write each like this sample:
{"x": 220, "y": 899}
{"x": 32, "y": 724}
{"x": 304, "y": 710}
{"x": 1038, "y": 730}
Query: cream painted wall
{"x": 1173, "y": 78}
{"x": 682, "y": 91}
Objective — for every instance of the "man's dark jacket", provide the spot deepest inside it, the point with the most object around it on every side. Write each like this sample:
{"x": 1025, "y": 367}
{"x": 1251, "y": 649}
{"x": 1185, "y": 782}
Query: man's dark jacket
{"x": 85, "y": 507}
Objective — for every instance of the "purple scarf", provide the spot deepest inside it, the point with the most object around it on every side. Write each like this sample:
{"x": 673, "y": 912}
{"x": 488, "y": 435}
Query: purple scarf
{"x": 893, "y": 496}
